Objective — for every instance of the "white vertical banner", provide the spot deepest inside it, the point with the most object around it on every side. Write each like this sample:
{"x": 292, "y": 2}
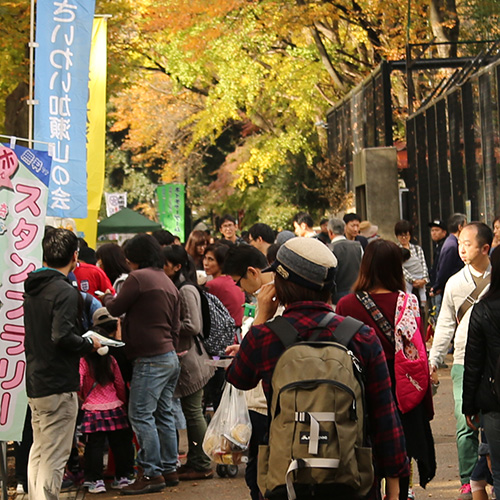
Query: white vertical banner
{"x": 24, "y": 179}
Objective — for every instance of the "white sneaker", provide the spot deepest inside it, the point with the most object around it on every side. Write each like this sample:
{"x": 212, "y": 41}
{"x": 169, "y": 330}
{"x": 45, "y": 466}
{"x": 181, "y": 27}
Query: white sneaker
{"x": 97, "y": 487}
{"x": 19, "y": 489}
{"x": 121, "y": 482}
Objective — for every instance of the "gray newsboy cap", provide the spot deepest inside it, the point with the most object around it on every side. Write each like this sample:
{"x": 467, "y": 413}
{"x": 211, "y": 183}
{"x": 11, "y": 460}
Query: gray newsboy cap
{"x": 307, "y": 262}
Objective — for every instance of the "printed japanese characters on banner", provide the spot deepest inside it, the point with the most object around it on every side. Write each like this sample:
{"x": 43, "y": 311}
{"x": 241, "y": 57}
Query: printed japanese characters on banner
{"x": 171, "y": 203}
{"x": 61, "y": 92}
{"x": 115, "y": 202}
{"x": 24, "y": 179}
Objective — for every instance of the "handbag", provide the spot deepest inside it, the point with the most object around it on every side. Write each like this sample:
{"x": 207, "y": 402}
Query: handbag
{"x": 411, "y": 368}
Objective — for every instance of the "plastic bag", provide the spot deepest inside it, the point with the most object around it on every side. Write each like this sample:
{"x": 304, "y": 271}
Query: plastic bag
{"x": 229, "y": 431}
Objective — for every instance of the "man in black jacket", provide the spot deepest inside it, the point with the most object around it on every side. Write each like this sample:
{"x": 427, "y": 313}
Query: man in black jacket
{"x": 438, "y": 237}
{"x": 53, "y": 345}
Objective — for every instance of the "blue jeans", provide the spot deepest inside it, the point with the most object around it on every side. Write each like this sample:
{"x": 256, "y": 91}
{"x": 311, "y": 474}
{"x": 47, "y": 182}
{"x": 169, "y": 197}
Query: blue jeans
{"x": 151, "y": 412}
{"x": 436, "y": 301}
{"x": 491, "y": 422}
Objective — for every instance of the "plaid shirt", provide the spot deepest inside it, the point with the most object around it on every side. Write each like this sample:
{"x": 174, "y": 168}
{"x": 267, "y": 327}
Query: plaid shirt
{"x": 416, "y": 251}
{"x": 259, "y": 353}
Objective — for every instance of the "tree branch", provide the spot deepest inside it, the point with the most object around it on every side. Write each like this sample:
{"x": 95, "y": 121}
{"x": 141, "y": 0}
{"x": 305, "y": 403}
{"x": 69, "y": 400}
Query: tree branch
{"x": 323, "y": 95}
{"x": 163, "y": 69}
{"x": 325, "y": 58}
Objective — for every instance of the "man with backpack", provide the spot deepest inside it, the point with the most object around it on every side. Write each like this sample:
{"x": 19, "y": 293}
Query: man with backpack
{"x": 330, "y": 406}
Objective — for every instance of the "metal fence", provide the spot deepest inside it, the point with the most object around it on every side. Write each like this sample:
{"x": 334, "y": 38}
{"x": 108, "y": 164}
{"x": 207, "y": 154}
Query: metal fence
{"x": 362, "y": 119}
{"x": 454, "y": 153}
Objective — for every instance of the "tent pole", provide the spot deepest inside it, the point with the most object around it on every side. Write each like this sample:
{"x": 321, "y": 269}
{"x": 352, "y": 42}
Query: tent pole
{"x": 3, "y": 469}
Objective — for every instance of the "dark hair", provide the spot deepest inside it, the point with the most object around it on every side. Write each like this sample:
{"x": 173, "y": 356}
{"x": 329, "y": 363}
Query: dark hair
{"x": 219, "y": 250}
{"x": 224, "y": 218}
{"x": 494, "y": 289}
{"x": 288, "y": 292}
{"x": 350, "y": 217}
{"x": 59, "y": 246}
{"x": 87, "y": 255}
{"x": 224, "y": 243}
{"x": 262, "y": 230}
{"x": 323, "y": 221}
{"x": 484, "y": 233}
{"x": 108, "y": 328}
{"x": 82, "y": 243}
{"x": 456, "y": 220}
{"x": 145, "y": 251}
{"x": 496, "y": 219}
{"x": 405, "y": 254}
{"x": 239, "y": 258}
{"x": 381, "y": 266}
{"x": 100, "y": 368}
{"x": 272, "y": 251}
{"x": 176, "y": 255}
{"x": 402, "y": 227}
{"x": 113, "y": 260}
{"x": 163, "y": 237}
{"x": 245, "y": 236}
{"x": 303, "y": 217}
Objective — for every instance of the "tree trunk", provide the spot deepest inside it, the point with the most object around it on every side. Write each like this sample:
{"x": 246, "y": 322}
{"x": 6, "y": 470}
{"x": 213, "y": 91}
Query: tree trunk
{"x": 16, "y": 111}
{"x": 445, "y": 25}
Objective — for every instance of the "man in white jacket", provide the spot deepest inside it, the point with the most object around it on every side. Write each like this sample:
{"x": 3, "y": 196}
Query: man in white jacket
{"x": 462, "y": 290}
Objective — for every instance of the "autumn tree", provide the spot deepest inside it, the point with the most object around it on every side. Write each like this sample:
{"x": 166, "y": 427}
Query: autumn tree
{"x": 227, "y": 95}
{"x": 268, "y": 70}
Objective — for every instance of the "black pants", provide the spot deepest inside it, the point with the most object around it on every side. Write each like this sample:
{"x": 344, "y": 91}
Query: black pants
{"x": 22, "y": 451}
{"x": 259, "y": 431}
{"x": 120, "y": 442}
{"x": 213, "y": 389}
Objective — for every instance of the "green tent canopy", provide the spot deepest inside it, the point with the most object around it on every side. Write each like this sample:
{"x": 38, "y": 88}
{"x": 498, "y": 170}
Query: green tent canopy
{"x": 127, "y": 221}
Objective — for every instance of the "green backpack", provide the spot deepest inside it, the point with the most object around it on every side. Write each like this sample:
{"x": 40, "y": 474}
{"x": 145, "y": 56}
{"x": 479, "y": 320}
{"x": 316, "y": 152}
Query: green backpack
{"x": 317, "y": 437}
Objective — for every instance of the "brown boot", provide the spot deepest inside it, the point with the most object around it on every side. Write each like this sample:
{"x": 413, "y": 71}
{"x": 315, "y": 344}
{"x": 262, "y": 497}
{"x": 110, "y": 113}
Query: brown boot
{"x": 171, "y": 478}
{"x": 144, "y": 484}
{"x": 188, "y": 474}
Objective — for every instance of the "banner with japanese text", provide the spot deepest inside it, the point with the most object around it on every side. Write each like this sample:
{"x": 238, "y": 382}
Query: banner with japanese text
{"x": 96, "y": 136}
{"x": 24, "y": 181}
{"x": 115, "y": 202}
{"x": 171, "y": 201}
{"x": 63, "y": 37}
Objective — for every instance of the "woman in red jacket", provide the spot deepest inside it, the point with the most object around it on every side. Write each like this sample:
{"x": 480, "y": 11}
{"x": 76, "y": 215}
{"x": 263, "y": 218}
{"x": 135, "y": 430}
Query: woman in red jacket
{"x": 376, "y": 292}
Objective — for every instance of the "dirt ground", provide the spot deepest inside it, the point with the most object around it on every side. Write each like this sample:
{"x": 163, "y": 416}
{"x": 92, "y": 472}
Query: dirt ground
{"x": 443, "y": 487}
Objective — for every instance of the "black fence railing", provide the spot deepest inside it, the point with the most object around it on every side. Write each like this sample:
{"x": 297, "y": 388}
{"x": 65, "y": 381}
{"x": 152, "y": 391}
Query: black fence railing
{"x": 454, "y": 153}
{"x": 362, "y": 119}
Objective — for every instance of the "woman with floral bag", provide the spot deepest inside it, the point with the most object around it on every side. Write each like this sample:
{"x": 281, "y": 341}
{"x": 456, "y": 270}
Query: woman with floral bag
{"x": 380, "y": 301}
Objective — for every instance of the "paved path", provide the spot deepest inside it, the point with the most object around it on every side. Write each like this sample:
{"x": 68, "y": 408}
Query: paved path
{"x": 444, "y": 486}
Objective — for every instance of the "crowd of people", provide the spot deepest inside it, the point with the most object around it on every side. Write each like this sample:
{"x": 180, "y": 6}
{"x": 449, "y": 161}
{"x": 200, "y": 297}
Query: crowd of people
{"x": 151, "y": 294}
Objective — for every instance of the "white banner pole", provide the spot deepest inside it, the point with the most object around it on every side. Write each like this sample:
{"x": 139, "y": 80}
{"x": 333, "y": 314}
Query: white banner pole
{"x": 31, "y": 102}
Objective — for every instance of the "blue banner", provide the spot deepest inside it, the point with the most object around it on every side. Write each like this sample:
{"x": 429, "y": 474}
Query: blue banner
{"x": 61, "y": 88}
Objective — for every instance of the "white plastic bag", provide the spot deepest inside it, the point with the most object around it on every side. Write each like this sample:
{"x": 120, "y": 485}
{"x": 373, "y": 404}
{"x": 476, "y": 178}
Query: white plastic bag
{"x": 229, "y": 431}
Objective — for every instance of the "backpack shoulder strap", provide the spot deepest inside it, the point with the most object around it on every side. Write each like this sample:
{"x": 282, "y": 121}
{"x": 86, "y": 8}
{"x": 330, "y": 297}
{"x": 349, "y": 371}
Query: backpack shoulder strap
{"x": 346, "y": 330}
{"x": 289, "y": 335}
{"x": 284, "y": 330}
